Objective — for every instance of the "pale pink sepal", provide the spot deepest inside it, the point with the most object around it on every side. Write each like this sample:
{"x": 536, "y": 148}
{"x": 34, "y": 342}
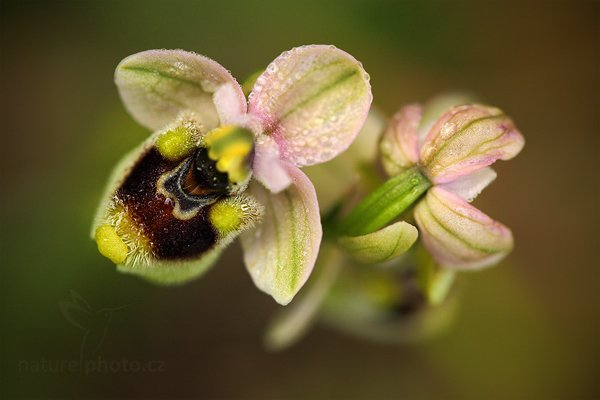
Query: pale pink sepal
{"x": 399, "y": 144}
{"x": 281, "y": 251}
{"x": 438, "y": 105}
{"x": 457, "y": 234}
{"x": 157, "y": 85}
{"x": 466, "y": 139}
{"x": 312, "y": 100}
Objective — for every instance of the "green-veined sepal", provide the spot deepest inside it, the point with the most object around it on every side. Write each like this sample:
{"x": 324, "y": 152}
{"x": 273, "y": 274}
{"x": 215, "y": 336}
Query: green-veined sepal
{"x": 280, "y": 252}
{"x": 382, "y": 245}
{"x": 157, "y": 85}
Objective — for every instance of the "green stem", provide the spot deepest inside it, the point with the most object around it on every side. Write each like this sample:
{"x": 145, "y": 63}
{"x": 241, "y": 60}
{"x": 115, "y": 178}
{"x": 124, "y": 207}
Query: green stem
{"x": 385, "y": 204}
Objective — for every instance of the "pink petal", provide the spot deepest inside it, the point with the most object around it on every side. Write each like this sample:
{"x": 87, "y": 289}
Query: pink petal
{"x": 469, "y": 186}
{"x": 231, "y": 111}
{"x": 457, "y": 234}
{"x": 312, "y": 100}
{"x": 280, "y": 252}
{"x": 466, "y": 139}
{"x": 268, "y": 168}
{"x": 156, "y": 85}
{"x": 399, "y": 144}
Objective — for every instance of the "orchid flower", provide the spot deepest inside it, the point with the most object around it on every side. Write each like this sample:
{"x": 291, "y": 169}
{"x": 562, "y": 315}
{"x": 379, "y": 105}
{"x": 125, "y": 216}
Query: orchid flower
{"x": 450, "y": 160}
{"x": 218, "y": 165}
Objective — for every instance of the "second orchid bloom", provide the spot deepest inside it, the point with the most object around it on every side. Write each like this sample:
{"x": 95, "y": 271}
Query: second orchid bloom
{"x": 442, "y": 165}
{"x": 217, "y": 164}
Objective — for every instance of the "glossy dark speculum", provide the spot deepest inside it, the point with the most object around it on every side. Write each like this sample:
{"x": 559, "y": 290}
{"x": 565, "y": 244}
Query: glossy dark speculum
{"x": 206, "y": 174}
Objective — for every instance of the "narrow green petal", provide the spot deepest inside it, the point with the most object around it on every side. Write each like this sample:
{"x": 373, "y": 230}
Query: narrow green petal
{"x": 385, "y": 204}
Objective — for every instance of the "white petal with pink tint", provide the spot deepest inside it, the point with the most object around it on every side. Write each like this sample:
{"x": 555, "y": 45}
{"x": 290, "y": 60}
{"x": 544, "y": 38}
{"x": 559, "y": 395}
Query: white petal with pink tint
{"x": 469, "y": 186}
{"x": 280, "y": 252}
{"x": 466, "y": 139}
{"x": 268, "y": 167}
{"x": 230, "y": 110}
{"x": 312, "y": 100}
{"x": 457, "y": 234}
{"x": 399, "y": 144}
{"x": 156, "y": 85}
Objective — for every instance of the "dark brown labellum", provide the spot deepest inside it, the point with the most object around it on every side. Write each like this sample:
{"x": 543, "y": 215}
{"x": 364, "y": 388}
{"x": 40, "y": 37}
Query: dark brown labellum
{"x": 169, "y": 237}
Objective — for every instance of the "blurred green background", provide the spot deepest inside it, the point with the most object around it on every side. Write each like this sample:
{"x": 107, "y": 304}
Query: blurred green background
{"x": 528, "y": 329}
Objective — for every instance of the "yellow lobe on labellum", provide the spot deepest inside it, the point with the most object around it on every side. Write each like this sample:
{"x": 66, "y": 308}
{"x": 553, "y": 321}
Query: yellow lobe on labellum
{"x": 226, "y": 216}
{"x": 175, "y": 144}
{"x": 110, "y": 245}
